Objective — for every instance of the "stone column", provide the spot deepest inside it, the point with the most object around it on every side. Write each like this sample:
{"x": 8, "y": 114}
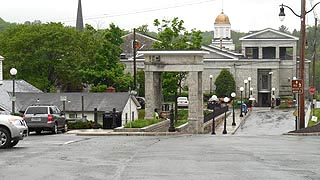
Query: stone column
{"x": 1, "y": 73}
{"x": 277, "y": 52}
{"x": 153, "y": 93}
{"x": 195, "y": 114}
{"x": 260, "y": 53}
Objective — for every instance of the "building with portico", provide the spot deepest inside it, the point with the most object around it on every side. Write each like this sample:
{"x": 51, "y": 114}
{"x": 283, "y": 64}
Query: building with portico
{"x": 264, "y": 68}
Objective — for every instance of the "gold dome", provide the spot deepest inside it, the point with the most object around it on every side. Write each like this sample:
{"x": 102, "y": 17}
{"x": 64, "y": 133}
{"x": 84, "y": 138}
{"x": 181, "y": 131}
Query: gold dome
{"x": 222, "y": 19}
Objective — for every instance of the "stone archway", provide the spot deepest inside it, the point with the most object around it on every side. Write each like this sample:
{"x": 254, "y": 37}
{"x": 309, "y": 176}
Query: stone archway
{"x": 157, "y": 62}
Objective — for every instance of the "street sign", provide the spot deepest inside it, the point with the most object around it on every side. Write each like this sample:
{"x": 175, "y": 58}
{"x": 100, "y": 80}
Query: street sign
{"x": 312, "y": 90}
{"x": 297, "y": 86}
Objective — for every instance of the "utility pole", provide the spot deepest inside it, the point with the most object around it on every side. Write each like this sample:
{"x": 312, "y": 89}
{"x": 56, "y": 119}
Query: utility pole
{"x": 134, "y": 60}
{"x": 314, "y": 59}
{"x": 302, "y": 56}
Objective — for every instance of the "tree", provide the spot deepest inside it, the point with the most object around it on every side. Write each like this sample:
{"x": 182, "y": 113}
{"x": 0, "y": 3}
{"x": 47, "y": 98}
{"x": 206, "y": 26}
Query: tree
{"x": 284, "y": 29}
{"x": 173, "y": 35}
{"x": 4, "y": 25}
{"x": 225, "y": 84}
{"x": 105, "y": 68}
{"x": 46, "y": 55}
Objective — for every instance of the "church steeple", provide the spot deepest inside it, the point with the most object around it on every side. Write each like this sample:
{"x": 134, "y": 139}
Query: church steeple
{"x": 79, "y": 24}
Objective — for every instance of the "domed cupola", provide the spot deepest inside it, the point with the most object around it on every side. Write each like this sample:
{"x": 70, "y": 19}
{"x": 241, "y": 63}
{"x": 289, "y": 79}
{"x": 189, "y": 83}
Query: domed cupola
{"x": 222, "y": 32}
{"x": 222, "y": 19}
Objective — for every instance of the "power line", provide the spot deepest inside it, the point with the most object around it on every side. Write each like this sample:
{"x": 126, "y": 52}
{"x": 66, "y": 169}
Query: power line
{"x": 141, "y": 11}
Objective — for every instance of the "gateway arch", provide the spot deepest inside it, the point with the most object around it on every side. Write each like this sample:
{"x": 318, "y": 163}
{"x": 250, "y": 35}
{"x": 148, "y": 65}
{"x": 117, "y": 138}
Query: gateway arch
{"x": 157, "y": 62}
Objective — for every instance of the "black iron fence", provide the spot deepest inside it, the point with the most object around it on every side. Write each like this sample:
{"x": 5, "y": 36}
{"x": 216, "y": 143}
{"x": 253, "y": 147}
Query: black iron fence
{"x": 215, "y": 113}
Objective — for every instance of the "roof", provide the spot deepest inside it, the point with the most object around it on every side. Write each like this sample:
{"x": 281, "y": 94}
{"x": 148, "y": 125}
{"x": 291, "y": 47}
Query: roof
{"x": 101, "y": 101}
{"x": 6, "y": 89}
{"x": 144, "y": 41}
{"x": 20, "y": 86}
{"x": 268, "y": 34}
{"x": 222, "y": 19}
{"x": 218, "y": 53}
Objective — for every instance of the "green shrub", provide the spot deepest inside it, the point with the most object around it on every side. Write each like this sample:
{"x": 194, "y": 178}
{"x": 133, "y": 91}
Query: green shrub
{"x": 82, "y": 125}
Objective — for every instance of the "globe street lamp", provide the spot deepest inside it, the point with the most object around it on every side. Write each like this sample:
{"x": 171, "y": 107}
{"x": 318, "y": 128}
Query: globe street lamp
{"x": 13, "y": 72}
{"x": 302, "y": 17}
{"x": 272, "y": 97}
{"x": 241, "y": 90}
{"x": 249, "y": 81}
{"x": 210, "y": 83}
{"x": 251, "y": 89}
{"x": 226, "y": 100}
{"x": 233, "y": 95}
{"x": 245, "y": 87}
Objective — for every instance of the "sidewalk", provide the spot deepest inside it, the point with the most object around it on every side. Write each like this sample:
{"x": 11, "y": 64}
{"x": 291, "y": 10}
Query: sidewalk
{"x": 109, "y": 132}
{"x": 232, "y": 129}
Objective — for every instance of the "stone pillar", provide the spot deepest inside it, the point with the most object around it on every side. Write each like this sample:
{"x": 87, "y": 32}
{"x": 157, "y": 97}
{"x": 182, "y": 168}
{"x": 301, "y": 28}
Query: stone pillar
{"x": 277, "y": 52}
{"x": 260, "y": 53}
{"x": 153, "y": 93}
{"x": 1, "y": 73}
{"x": 195, "y": 114}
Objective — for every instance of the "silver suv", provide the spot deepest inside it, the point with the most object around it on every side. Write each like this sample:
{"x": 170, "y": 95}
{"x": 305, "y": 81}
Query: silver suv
{"x": 45, "y": 118}
{"x": 12, "y": 130}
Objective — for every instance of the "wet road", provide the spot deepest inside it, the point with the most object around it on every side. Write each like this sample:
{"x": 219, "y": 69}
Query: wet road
{"x": 263, "y": 121}
{"x": 257, "y": 151}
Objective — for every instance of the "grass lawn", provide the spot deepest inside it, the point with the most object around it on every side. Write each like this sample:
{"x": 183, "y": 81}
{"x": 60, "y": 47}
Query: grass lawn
{"x": 317, "y": 114}
{"x": 140, "y": 123}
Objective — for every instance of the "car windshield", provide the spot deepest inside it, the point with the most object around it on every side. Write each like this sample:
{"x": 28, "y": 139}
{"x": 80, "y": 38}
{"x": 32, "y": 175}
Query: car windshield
{"x": 37, "y": 110}
{"x": 182, "y": 98}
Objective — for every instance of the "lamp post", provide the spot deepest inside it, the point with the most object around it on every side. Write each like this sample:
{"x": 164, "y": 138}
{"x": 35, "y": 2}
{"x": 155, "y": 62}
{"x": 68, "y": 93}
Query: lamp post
{"x": 233, "y": 95}
{"x": 251, "y": 89}
{"x": 210, "y": 83}
{"x": 226, "y": 100}
{"x": 302, "y": 17}
{"x": 241, "y": 90}
{"x": 272, "y": 97}
{"x": 13, "y": 72}
{"x": 245, "y": 87}
{"x": 249, "y": 81}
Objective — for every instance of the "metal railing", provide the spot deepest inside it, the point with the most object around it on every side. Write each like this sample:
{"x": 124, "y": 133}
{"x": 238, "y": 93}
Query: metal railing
{"x": 215, "y": 113}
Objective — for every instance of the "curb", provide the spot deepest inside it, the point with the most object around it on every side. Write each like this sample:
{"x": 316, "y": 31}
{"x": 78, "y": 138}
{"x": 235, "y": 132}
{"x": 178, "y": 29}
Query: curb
{"x": 303, "y": 134}
{"x": 242, "y": 121}
{"x": 111, "y": 133}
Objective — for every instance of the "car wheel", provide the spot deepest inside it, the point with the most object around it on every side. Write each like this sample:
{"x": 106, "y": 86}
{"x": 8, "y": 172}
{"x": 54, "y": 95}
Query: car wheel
{"x": 5, "y": 138}
{"x": 55, "y": 129}
{"x": 65, "y": 129}
{"x": 13, "y": 143}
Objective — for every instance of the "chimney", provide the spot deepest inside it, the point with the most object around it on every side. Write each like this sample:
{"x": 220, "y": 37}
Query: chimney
{"x": 1, "y": 74}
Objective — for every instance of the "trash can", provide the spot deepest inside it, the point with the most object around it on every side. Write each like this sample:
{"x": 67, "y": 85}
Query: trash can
{"x": 278, "y": 101}
{"x": 108, "y": 120}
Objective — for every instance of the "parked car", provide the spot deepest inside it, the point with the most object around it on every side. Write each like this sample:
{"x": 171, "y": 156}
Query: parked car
{"x": 182, "y": 102}
{"x": 141, "y": 101}
{"x": 45, "y": 118}
{"x": 12, "y": 130}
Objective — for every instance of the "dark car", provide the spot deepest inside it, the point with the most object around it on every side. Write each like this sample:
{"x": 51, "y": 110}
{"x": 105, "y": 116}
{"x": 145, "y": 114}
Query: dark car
{"x": 45, "y": 118}
{"x": 141, "y": 101}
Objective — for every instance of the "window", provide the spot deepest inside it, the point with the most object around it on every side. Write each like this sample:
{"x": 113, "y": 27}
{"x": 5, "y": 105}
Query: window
{"x": 265, "y": 81}
{"x": 269, "y": 53}
{"x": 252, "y": 52}
{"x": 286, "y": 53}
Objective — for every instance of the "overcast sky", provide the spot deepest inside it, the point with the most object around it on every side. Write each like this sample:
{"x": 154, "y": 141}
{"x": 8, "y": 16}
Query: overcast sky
{"x": 244, "y": 15}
